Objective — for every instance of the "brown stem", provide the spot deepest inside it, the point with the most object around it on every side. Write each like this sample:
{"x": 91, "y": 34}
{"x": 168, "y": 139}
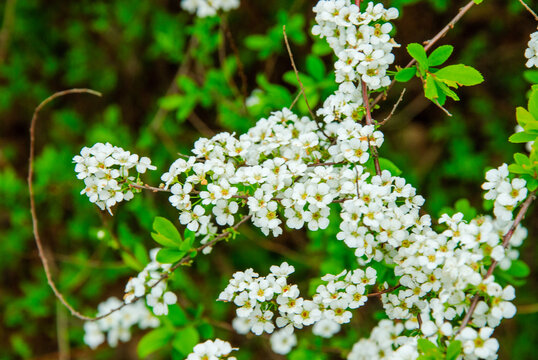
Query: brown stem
{"x": 529, "y": 9}
{"x": 506, "y": 241}
{"x": 369, "y": 121}
{"x": 33, "y": 210}
{"x": 429, "y": 44}
{"x": 384, "y": 291}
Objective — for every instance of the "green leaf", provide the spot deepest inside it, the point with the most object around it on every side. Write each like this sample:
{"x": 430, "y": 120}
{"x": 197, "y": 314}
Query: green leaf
{"x": 517, "y": 169}
{"x": 522, "y": 159}
{"x": 163, "y": 240}
{"x": 460, "y": 74}
{"x": 453, "y": 350}
{"x": 169, "y": 256}
{"x": 426, "y": 346}
{"x": 315, "y": 67}
{"x": 533, "y": 102}
{"x": 440, "y": 55}
{"x": 171, "y": 102}
{"x": 153, "y": 341}
{"x": 419, "y": 54}
{"x": 185, "y": 340}
{"x": 521, "y": 137}
{"x": 531, "y": 76}
{"x": 477, "y": 2}
{"x": 519, "y": 269}
{"x": 447, "y": 91}
{"x": 165, "y": 227}
{"x": 430, "y": 89}
{"x": 405, "y": 75}
{"x": 523, "y": 116}
{"x": 386, "y": 164}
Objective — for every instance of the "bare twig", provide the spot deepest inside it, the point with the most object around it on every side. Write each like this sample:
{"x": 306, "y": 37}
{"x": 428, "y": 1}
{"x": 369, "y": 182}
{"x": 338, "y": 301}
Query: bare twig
{"x": 529, "y": 9}
{"x": 429, "y": 44}
{"x": 369, "y": 121}
{"x": 506, "y": 241}
{"x": 297, "y": 72}
{"x": 296, "y": 99}
{"x": 442, "y": 108}
{"x": 393, "y": 108}
{"x": 33, "y": 211}
{"x": 384, "y": 291}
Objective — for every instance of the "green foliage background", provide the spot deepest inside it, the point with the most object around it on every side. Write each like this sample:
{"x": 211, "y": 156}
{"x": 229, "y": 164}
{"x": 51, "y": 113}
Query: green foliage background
{"x": 167, "y": 78}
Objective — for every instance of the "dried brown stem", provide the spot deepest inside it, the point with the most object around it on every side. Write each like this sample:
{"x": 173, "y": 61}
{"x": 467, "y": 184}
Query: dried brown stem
{"x": 529, "y": 9}
{"x": 33, "y": 210}
{"x": 369, "y": 121}
{"x": 393, "y": 108}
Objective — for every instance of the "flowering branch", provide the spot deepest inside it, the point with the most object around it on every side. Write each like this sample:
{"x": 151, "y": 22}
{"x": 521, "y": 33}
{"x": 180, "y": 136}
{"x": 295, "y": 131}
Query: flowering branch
{"x": 506, "y": 242}
{"x": 33, "y": 210}
{"x": 369, "y": 121}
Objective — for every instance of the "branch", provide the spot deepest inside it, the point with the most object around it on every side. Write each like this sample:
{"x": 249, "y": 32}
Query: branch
{"x": 529, "y": 9}
{"x": 33, "y": 211}
{"x": 369, "y": 121}
{"x": 506, "y": 241}
{"x": 183, "y": 261}
{"x": 429, "y": 44}
{"x": 393, "y": 108}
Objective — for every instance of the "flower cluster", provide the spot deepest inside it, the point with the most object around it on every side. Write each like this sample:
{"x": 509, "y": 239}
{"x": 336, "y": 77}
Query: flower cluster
{"x": 105, "y": 171}
{"x": 505, "y": 193}
{"x": 531, "y": 53}
{"x": 151, "y": 284}
{"x": 205, "y": 8}
{"x": 116, "y": 326}
{"x": 386, "y": 342}
{"x": 213, "y": 350}
{"x": 360, "y": 40}
{"x": 258, "y": 299}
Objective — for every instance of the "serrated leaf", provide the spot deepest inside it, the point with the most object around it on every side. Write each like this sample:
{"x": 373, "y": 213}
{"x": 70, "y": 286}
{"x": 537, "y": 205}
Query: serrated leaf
{"x": 453, "y": 350}
{"x": 430, "y": 89}
{"x": 153, "y": 341}
{"x": 405, "y": 75}
{"x": 418, "y": 53}
{"x": 185, "y": 340}
{"x": 521, "y": 137}
{"x": 460, "y": 74}
{"x": 523, "y": 116}
{"x": 169, "y": 256}
{"x": 440, "y": 55}
{"x": 165, "y": 227}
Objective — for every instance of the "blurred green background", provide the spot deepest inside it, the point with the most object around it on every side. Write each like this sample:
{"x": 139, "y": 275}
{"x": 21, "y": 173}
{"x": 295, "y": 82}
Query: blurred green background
{"x": 167, "y": 78}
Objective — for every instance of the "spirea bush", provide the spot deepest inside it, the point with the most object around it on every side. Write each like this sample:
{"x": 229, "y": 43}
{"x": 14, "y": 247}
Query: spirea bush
{"x": 435, "y": 277}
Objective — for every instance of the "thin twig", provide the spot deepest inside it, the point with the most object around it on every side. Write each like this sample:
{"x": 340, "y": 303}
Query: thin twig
{"x": 384, "y": 291}
{"x": 186, "y": 259}
{"x": 393, "y": 108}
{"x": 33, "y": 211}
{"x": 297, "y": 72}
{"x": 529, "y": 9}
{"x": 429, "y": 44}
{"x": 506, "y": 241}
{"x": 369, "y": 121}
{"x": 300, "y": 82}
{"x": 296, "y": 99}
